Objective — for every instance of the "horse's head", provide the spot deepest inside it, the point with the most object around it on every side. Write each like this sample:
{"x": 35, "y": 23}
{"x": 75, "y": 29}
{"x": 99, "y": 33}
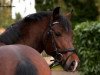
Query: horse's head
{"x": 58, "y": 41}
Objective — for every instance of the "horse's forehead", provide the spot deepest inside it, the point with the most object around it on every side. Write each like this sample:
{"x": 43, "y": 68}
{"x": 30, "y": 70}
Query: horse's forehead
{"x": 64, "y": 23}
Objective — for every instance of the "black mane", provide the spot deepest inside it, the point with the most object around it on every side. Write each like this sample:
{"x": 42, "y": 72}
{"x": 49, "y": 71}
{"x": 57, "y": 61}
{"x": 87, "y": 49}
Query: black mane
{"x": 13, "y": 33}
{"x": 36, "y": 17}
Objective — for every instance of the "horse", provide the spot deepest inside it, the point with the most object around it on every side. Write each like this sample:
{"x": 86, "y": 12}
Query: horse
{"x": 46, "y": 30}
{"x": 22, "y": 60}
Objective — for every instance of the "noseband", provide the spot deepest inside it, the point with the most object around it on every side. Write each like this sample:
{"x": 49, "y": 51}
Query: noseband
{"x": 56, "y": 53}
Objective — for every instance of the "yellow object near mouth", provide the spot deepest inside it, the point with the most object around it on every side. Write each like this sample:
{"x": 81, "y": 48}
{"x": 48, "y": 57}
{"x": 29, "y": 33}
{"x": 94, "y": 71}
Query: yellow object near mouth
{"x": 57, "y": 68}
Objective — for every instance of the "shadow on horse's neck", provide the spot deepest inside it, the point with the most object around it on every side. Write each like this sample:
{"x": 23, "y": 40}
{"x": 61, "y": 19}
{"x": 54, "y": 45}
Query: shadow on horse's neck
{"x": 30, "y": 34}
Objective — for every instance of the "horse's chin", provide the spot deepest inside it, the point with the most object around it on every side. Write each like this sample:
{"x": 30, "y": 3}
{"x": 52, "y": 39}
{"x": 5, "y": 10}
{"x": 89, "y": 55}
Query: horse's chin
{"x": 71, "y": 67}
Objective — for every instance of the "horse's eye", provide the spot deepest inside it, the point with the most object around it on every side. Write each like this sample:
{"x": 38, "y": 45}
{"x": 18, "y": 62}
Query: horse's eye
{"x": 58, "y": 34}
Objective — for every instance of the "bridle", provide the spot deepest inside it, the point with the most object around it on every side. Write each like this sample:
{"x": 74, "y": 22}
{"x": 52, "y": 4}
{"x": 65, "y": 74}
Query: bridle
{"x": 56, "y": 53}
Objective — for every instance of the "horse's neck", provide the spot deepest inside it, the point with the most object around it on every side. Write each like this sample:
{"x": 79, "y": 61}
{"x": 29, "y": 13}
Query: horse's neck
{"x": 34, "y": 35}
{"x": 33, "y": 42}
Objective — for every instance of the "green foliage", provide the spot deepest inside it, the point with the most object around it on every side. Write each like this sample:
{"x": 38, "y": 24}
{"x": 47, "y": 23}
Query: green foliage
{"x": 83, "y": 9}
{"x": 5, "y": 17}
{"x": 6, "y": 23}
{"x": 44, "y": 5}
{"x": 18, "y": 17}
{"x": 87, "y": 42}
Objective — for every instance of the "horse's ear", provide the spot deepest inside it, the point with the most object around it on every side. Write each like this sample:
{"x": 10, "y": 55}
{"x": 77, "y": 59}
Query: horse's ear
{"x": 69, "y": 15}
{"x": 56, "y": 13}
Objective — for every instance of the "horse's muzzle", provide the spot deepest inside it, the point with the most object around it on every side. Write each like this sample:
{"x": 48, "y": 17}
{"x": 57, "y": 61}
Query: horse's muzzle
{"x": 71, "y": 66}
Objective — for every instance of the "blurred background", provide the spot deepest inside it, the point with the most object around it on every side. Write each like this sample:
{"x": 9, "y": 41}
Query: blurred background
{"x": 85, "y": 23}
{"x": 83, "y": 10}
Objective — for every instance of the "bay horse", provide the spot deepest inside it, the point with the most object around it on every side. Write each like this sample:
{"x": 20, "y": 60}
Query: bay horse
{"x": 22, "y": 60}
{"x": 47, "y": 30}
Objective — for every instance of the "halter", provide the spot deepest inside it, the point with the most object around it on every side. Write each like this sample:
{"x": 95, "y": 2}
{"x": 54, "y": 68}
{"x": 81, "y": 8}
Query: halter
{"x": 57, "y": 53}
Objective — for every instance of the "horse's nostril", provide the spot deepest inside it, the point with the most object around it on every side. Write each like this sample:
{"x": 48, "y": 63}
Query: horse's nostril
{"x": 73, "y": 65}
{"x": 70, "y": 67}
